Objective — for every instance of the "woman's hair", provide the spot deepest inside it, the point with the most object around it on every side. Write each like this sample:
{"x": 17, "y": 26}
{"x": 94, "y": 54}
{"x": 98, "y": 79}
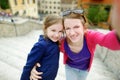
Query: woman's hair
{"x": 50, "y": 20}
{"x": 76, "y": 16}
{"x": 73, "y": 15}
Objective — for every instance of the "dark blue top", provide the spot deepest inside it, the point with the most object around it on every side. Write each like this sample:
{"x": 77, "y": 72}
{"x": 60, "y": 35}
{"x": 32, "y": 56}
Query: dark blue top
{"x": 78, "y": 60}
{"x": 46, "y": 53}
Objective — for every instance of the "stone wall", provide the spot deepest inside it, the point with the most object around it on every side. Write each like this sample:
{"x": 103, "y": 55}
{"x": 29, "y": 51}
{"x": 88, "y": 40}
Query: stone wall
{"x": 15, "y": 29}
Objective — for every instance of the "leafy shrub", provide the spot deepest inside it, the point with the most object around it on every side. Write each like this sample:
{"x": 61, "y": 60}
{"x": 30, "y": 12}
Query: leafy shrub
{"x": 97, "y": 13}
{"x": 4, "y": 4}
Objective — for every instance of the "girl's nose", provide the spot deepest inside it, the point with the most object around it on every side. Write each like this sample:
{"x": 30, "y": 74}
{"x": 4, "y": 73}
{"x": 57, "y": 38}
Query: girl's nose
{"x": 56, "y": 34}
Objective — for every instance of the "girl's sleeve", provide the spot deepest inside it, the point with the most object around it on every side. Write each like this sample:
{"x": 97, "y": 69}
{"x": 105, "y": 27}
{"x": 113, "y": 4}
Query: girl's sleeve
{"x": 34, "y": 56}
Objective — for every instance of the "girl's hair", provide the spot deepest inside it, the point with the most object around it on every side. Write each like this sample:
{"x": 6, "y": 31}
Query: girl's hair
{"x": 50, "y": 20}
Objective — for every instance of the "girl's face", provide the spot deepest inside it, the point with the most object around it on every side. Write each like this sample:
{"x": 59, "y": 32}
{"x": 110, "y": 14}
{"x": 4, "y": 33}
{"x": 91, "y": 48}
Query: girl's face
{"x": 54, "y": 32}
{"x": 74, "y": 30}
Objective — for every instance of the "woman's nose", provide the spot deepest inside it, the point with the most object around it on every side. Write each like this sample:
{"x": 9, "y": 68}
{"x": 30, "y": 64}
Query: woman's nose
{"x": 72, "y": 32}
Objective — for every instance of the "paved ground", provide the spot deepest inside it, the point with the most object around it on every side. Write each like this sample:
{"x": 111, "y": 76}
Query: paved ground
{"x": 13, "y": 53}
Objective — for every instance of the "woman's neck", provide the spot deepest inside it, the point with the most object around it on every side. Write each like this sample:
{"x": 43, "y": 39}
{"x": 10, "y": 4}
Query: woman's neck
{"x": 79, "y": 43}
{"x": 75, "y": 47}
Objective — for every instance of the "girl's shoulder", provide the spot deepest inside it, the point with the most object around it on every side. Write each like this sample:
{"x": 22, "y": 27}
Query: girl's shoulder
{"x": 41, "y": 41}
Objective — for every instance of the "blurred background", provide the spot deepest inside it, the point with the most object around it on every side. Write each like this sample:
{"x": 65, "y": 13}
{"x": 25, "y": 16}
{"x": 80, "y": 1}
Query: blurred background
{"x": 97, "y": 11}
{"x": 21, "y": 24}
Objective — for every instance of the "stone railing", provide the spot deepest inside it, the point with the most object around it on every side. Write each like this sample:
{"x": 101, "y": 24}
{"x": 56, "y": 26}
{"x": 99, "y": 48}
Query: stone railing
{"x": 12, "y": 29}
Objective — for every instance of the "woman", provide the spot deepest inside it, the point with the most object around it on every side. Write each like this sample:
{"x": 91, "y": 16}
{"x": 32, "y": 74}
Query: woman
{"x": 79, "y": 45}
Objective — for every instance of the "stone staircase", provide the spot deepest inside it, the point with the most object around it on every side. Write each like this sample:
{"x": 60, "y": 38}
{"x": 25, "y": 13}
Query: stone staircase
{"x": 13, "y": 54}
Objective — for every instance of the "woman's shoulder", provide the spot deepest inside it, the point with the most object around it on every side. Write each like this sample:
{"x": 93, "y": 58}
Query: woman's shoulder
{"x": 62, "y": 40}
{"x": 89, "y": 32}
{"x": 93, "y": 32}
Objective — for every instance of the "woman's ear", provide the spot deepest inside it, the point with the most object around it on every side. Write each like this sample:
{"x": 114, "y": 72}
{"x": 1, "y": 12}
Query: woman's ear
{"x": 86, "y": 26}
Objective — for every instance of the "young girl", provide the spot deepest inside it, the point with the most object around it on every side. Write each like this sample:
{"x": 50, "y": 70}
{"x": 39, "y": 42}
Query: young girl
{"x": 46, "y": 50}
{"x": 79, "y": 45}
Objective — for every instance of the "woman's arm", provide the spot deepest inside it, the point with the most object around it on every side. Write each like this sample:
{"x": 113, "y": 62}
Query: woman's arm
{"x": 115, "y": 17}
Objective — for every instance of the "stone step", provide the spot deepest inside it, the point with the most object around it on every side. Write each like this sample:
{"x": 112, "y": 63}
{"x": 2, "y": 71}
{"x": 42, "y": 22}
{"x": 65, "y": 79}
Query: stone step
{"x": 99, "y": 71}
{"x": 8, "y": 72}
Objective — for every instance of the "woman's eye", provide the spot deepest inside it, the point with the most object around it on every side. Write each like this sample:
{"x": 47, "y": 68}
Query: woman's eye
{"x": 67, "y": 29}
{"x": 76, "y": 27}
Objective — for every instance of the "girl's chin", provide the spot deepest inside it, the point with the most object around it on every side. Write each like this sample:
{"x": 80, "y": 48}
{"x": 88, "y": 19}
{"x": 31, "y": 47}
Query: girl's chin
{"x": 54, "y": 40}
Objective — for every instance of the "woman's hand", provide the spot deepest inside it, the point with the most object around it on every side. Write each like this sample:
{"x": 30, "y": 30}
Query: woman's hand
{"x": 35, "y": 75}
{"x": 115, "y": 17}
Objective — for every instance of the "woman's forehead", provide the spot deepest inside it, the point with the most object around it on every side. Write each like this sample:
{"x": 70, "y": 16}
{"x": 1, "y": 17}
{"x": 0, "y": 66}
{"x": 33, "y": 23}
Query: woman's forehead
{"x": 72, "y": 22}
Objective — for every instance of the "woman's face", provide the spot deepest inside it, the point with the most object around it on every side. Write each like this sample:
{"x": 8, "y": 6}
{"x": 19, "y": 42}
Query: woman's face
{"x": 74, "y": 30}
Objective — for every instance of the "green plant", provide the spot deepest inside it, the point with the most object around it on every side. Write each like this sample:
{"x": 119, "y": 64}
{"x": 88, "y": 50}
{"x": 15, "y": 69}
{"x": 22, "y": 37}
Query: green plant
{"x": 4, "y": 4}
{"x": 97, "y": 13}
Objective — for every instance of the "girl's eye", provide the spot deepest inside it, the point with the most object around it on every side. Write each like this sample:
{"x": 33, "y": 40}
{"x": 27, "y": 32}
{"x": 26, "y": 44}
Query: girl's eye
{"x": 53, "y": 30}
{"x": 60, "y": 31}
